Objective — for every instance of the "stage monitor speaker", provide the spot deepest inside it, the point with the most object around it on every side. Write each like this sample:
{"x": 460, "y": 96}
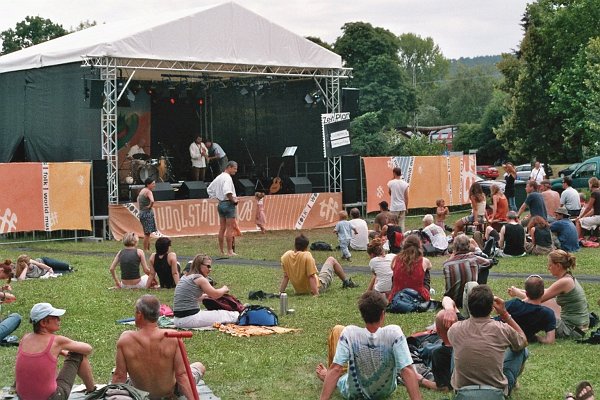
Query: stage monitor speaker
{"x": 246, "y": 187}
{"x": 300, "y": 184}
{"x": 351, "y": 101}
{"x": 99, "y": 186}
{"x": 192, "y": 190}
{"x": 351, "y": 179}
{"x": 163, "y": 192}
{"x": 96, "y": 93}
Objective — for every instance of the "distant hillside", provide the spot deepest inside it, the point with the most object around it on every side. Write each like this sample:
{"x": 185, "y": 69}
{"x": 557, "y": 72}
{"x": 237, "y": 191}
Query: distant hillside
{"x": 481, "y": 61}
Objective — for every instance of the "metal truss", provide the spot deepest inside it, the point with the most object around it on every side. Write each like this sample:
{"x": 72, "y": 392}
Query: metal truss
{"x": 218, "y": 68}
{"x": 331, "y": 91}
{"x": 108, "y": 73}
{"x": 334, "y": 174}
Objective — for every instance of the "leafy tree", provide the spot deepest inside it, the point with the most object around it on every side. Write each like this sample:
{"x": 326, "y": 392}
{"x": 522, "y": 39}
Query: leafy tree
{"x": 423, "y": 59}
{"x": 361, "y": 41}
{"x": 467, "y": 137}
{"x": 29, "y": 32}
{"x": 367, "y": 139}
{"x": 418, "y": 145}
{"x": 545, "y": 119}
{"x": 83, "y": 25}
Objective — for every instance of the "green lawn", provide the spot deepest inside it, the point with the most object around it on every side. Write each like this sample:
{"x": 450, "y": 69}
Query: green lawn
{"x": 280, "y": 366}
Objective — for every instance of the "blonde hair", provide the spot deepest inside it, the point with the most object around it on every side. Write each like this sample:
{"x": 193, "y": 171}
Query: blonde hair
{"x": 562, "y": 258}
{"x": 22, "y": 263}
{"x": 197, "y": 263}
{"x": 343, "y": 215}
{"x": 130, "y": 239}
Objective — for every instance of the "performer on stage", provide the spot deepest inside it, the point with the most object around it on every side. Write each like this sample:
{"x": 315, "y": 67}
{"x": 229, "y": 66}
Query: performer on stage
{"x": 216, "y": 152}
{"x": 136, "y": 149}
{"x": 199, "y": 155}
{"x": 145, "y": 201}
{"x": 223, "y": 189}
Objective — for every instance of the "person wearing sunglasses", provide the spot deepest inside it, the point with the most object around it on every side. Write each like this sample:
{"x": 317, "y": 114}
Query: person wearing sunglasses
{"x": 191, "y": 290}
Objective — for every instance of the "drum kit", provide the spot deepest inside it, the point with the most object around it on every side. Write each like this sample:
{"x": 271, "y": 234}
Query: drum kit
{"x": 144, "y": 167}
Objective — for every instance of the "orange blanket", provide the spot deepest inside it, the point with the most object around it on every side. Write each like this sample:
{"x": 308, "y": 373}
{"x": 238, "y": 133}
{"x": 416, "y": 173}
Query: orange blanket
{"x": 251, "y": 330}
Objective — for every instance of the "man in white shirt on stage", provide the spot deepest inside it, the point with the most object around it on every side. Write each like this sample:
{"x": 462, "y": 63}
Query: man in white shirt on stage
{"x": 222, "y": 189}
{"x": 199, "y": 155}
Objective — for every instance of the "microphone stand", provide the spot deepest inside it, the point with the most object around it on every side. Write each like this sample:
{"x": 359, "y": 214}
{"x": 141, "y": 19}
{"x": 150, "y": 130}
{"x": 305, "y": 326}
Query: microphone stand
{"x": 258, "y": 182}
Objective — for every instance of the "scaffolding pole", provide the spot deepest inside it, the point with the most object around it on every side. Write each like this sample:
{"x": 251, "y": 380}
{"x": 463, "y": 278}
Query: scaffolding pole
{"x": 108, "y": 73}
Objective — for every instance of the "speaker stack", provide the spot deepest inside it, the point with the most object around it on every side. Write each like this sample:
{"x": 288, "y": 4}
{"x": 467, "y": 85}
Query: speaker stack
{"x": 192, "y": 190}
{"x": 163, "y": 192}
{"x": 300, "y": 184}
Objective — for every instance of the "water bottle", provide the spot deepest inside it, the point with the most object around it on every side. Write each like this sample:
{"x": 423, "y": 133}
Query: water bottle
{"x": 283, "y": 303}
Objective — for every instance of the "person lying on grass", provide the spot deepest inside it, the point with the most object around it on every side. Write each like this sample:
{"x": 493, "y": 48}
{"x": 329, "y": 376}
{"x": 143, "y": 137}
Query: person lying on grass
{"x": 149, "y": 361}
{"x": 376, "y": 355}
{"x": 300, "y": 268}
{"x": 28, "y": 268}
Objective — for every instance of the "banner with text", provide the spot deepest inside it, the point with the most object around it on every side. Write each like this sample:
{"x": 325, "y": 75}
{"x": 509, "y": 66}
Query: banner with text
{"x": 44, "y": 196}
{"x": 430, "y": 178}
{"x": 200, "y": 217}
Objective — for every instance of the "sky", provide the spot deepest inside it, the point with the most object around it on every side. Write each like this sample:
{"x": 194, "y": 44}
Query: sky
{"x": 461, "y": 28}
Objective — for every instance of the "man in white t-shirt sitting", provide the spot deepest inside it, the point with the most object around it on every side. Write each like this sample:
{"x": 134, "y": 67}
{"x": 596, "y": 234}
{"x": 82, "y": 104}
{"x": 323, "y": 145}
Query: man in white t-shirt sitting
{"x": 435, "y": 233}
{"x": 375, "y": 354}
{"x": 360, "y": 239}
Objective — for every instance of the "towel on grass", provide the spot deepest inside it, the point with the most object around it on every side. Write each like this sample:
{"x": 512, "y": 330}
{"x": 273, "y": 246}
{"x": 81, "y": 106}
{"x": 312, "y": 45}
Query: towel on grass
{"x": 251, "y": 330}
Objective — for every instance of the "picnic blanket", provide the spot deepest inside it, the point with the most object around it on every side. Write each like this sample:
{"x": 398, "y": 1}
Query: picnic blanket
{"x": 165, "y": 323}
{"x": 251, "y": 330}
{"x": 77, "y": 393}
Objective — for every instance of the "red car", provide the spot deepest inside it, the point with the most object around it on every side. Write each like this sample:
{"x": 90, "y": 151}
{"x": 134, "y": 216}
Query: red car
{"x": 487, "y": 171}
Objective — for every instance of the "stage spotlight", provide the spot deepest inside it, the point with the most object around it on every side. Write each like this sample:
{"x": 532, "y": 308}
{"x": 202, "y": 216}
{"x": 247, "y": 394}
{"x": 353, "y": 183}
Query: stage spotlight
{"x": 200, "y": 102}
{"x": 308, "y": 99}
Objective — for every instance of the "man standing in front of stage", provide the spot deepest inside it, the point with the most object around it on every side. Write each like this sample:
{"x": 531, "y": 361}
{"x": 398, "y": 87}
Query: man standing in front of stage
{"x": 199, "y": 155}
{"x": 223, "y": 189}
{"x": 216, "y": 153}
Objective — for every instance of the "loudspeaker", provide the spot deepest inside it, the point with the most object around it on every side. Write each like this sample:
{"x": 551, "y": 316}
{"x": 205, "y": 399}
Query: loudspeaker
{"x": 192, "y": 190}
{"x": 246, "y": 187}
{"x": 163, "y": 192}
{"x": 96, "y": 93}
{"x": 351, "y": 179}
{"x": 300, "y": 184}
{"x": 99, "y": 186}
{"x": 351, "y": 101}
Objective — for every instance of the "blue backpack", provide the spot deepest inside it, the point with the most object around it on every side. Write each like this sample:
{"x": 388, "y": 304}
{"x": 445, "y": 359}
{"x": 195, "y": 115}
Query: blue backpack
{"x": 258, "y": 315}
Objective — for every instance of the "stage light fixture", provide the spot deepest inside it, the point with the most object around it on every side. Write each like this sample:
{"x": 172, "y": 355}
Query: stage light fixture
{"x": 200, "y": 102}
{"x": 308, "y": 99}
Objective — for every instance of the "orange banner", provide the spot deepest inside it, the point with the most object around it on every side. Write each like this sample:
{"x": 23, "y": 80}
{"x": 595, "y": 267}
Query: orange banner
{"x": 200, "y": 216}
{"x": 44, "y": 196}
{"x": 430, "y": 178}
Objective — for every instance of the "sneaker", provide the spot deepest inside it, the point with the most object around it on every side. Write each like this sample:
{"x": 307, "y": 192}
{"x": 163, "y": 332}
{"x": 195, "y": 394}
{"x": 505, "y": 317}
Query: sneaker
{"x": 349, "y": 284}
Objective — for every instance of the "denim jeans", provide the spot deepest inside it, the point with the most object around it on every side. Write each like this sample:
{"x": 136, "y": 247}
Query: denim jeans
{"x": 513, "y": 365}
{"x": 9, "y": 325}
{"x": 512, "y": 205}
{"x": 344, "y": 244}
{"x": 56, "y": 265}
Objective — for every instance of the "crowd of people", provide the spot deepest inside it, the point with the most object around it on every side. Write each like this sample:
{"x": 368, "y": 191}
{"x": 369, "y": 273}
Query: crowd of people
{"x": 363, "y": 362}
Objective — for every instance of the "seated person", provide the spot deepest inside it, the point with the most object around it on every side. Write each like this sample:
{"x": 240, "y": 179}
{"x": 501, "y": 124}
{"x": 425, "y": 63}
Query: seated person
{"x": 381, "y": 219}
{"x": 436, "y": 235}
{"x": 381, "y": 267}
{"x": 541, "y": 237}
{"x": 129, "y": 259}
{"x": 360, "y": 236}
{"x": 512, "y": 237}
{"x": 411, "y": 269}
{"x": 35, "y": 268}
{"x": 9, "y": 324}
{"x": 589, "y": 219}
{"x": 565, "y": 231}
{"x": 393, "y": 233}
{"x": 192, "y": 289}
{"x": 37, "y": 358}
{"x": 462, "y": 267}
{"x": 531, "y": 315}
{"x": 164, "y": 264}
{"x": 477, "y": 216}
{"x": 376, "y": 355}
{"x": 499, "y": 205}
{"x": 148, "y": 346}
{"x": 300, "y": 268}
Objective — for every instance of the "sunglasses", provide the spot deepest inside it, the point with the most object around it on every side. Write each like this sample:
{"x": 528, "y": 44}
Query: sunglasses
{"x": 209, "y": 266}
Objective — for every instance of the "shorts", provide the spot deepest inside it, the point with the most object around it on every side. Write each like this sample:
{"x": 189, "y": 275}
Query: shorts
{"x": 226, "y": 209}
{"x": 590, "y": 223}
{"x": 148, "y": 222}
{"x": 567, "y": 331}
{"x": 140, "y": 285}
{"x": 326, "y": 276}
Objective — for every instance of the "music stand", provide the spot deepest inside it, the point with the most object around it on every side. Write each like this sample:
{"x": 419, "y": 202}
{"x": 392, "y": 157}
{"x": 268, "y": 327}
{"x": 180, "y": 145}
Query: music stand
{"x": 291, "y": 152}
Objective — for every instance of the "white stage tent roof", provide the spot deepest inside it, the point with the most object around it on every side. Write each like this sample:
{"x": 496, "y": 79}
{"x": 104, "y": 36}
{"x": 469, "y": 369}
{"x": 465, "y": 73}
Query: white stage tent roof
{"x": 226, "y": 34}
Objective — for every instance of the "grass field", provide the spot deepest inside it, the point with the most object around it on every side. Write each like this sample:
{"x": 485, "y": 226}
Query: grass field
{"x": 279, "y": 366}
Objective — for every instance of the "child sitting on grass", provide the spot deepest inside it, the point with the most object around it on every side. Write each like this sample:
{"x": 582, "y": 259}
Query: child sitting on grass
{"x": 344, "y": 229}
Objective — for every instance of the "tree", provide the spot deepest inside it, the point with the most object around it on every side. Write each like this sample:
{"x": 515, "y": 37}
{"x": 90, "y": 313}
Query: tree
{"x": 418, "y": 145}
{"x": 83, "y": 25}
{"x": 543, "y": 100}
{"x": 373, "y": 54}
{"x": 29, "y": 32}
{"x": 422, "y": 59}
{"x": 367, "y": 138}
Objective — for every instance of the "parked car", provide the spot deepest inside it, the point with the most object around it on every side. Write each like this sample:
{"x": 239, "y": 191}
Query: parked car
{"x": 569, "y": 170}
{"x": 581, "y": 175}
{"x": 486, "y": 186}
{"x": 487, "y": 171}
{"x": 524, "y": 170}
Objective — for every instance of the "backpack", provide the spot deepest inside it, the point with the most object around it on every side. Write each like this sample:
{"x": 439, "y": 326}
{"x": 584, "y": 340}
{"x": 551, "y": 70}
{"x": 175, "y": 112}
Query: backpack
{"x": 320, "y": 246}
{"x": 258, "y": 315}
{"x": 405, "y": 301}
{"x": 226, "y": 302}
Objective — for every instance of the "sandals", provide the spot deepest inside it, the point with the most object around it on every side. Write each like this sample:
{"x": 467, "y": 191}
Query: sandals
{"x": 580, "y": 388}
